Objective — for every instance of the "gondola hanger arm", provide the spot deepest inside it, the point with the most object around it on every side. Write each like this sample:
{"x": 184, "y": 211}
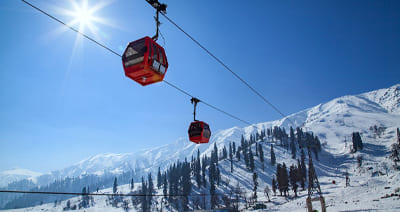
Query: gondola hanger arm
{"x": 159, "y": 8}
{"x": 194, "y": 101}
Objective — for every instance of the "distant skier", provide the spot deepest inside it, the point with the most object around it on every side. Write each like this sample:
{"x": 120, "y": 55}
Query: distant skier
{"x": 347, "y": 181}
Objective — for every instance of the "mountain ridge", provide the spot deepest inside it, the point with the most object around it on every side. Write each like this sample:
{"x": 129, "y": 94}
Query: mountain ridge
{"x": 382, "y": 106}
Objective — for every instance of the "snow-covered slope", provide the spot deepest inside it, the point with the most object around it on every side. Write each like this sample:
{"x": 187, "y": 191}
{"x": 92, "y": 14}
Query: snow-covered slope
{"x": 374, "y": 186}
{"x": 335, "y": 120}
{"x": 331, "y": 121}
{"x": 387, "y": 98}
{"x": 13, "y": 175}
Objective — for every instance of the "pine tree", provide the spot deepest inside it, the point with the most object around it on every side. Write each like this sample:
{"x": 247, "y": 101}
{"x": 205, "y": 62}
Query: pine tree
{"x": 198, "y": 169}
{"x": 255, "y": 185}
{"x": 273, "y": 159}
{"x": 293, "y": 179}
{"x": 292, "y": 143}
{"x": 360, "y": 143}
{"x": 224, "y": 153}
{"x": 246, "y": 157}
{"x": 165, "y": 185}
{"x": 132, "y": 184}
{"x": 186, "y": 184}
{"x": 150, "y": 190}
{"x": 231, "y": 156}
{"x": 357, "y": 142}
{"x": 274, "y": 185}
{"x": 260, "y": 149}
{"x": 279, "y": 178}
{"x": 359, "y": 160}
{"x": 299, "y": 134}
{"x": 144, "y": 195}
{"x": 299, "y": 175}
{"x": 256, "y": 150}
{"x": 285, "y": 139}
{"x": 214, "y": 155}
{"x": 251, "y": 160}
{"x": 252, "y": 139}
{"x": 159, "y": 178}
{"x": 218, "y": 176}
{"x": 211, "y": 178}
{"x": 311, "y": 174}
{"x": 303, "y": 169}
{"x": 85, "y": 198}
{"x": 285, "y": 179}
{"x": 171, "y": 180}
{"x": 212, "y": 173}
{"x": 234, "y": 148}
{"x": 115, "y": 186}
{"x": 203, "y": 171}
{"x": 398, "y": 136}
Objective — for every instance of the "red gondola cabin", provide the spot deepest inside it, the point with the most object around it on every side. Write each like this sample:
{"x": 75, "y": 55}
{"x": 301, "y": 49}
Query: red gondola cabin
{"x": 144, "y": 61}
{"x": 199, "y": 132}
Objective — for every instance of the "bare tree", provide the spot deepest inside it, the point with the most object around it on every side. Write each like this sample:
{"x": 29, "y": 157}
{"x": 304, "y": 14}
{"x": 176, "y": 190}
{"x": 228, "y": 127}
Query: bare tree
{"x": 267, "y": 191}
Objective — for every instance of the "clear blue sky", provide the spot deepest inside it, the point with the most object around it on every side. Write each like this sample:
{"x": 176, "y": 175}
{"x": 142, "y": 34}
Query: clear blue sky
{"x": 63, "y": 98}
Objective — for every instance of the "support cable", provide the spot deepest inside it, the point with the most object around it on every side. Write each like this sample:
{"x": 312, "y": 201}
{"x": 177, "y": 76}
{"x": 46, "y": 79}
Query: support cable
{"x": 119, "y": 55}
{"x": 227, "y": 67}
{"x": 106, "y": 194}
{"x": 72, "y": 28}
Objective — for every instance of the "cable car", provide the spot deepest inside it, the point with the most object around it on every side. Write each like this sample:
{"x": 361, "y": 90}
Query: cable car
{"x": 144, "y": 61}
{"x": 199, "y": 132}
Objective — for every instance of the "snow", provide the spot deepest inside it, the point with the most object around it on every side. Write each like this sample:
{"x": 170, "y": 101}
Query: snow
{"x": 9, "y": 176}
{"x": 368, "y": 188}
{"x": 333, "y": 122}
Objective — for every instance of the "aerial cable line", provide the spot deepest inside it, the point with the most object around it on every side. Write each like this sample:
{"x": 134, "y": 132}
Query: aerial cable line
{"x": 72, "y": 28}
{"x": 119, "y": 55}
{"x": 209, "y": 105}
{"x": 227, "y": 68}
{"x": 107, "y": 194}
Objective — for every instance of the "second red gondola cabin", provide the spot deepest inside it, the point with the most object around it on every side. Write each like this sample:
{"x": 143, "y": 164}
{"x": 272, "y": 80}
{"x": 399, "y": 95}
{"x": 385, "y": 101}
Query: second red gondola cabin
{"x": 199, "y": 132}
{"x": 144, "y": 61}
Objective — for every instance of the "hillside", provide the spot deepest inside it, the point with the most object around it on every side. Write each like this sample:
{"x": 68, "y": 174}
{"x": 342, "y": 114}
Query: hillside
{"x": 333, "y": 122}
{"x": 369, "y": 187}
{"x": 344, "y": 114}
{"x": 14, "y": 175}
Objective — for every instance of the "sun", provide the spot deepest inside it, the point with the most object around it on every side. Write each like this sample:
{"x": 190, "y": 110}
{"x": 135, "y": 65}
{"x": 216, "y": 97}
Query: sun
{"x": 83, "y": 16}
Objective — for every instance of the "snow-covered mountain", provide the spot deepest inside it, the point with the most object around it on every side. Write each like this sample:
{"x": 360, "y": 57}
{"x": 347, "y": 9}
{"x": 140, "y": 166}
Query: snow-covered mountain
{"x": 332, "y": 121}
{"x": 14, "y": 175}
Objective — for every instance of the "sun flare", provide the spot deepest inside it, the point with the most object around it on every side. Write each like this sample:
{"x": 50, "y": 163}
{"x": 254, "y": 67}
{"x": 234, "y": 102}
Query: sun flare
{"x": 83, "y": 15}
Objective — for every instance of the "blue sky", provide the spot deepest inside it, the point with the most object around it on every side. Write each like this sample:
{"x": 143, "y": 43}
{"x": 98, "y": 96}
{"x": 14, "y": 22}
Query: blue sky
{"x": 64, "y": 98}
